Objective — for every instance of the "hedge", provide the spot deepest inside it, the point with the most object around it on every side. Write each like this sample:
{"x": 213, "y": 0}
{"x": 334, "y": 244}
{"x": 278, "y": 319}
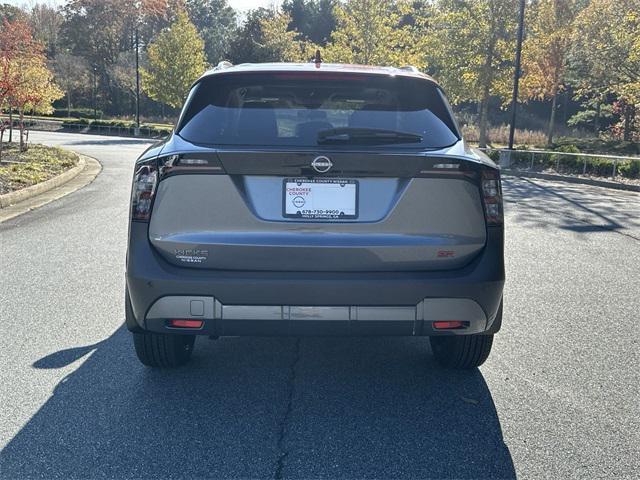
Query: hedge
{"x": 120, "y": 125}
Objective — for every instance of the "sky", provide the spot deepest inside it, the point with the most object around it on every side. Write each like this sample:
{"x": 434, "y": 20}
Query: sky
{"x": 242, "y": 5}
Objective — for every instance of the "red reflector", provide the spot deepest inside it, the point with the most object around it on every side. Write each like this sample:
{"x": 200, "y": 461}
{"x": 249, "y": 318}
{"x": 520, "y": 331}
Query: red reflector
{"x": 449, "y": 324}
{"x": 186, "y": 323}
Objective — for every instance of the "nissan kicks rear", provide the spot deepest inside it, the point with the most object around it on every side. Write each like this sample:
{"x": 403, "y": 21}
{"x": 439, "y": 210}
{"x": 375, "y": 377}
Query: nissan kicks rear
{"x": 315, "y": 199}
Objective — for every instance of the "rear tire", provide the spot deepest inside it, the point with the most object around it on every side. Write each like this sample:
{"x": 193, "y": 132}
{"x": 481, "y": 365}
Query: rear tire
{"x": 461, "y": 351}
{"x": 162, "y": 350}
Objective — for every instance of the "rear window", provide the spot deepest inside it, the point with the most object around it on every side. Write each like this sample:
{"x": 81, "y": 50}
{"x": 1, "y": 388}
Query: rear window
{"x": 293, "y": 108}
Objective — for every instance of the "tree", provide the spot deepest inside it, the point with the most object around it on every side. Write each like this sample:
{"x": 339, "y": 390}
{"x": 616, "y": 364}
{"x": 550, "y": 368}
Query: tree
{"x": 100, "y": 31}
{"x": 470, "y": 49}
{"x": 605, "y": 55}
{"x": 26, "y": 84}
{"x": 46, "y": 22}
{"x": 15, "y": 41}
{"x": 11, "y": 13}
{"x": 35, "y": 92}
{"x": 175, "y": 60}
{"x": 314, "y": 19}
{"x": 545, "y": 53}
{"x": 371, "y": 32}
{"x": 215, "y": 21}
{"x": 279, "y": 44}
{"x": 72, "y": 74}
{"x": 247, "y": 41}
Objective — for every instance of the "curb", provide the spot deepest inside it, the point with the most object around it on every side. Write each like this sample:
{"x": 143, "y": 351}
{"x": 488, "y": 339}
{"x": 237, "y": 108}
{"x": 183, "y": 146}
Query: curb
{"x": 26, "y": 199}
{"x": 11, "y": 198}
{"x": 568, "y": 179}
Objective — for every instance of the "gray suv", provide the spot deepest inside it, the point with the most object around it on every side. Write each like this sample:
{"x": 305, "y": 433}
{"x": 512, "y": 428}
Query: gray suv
{"x": 315, "y": 199}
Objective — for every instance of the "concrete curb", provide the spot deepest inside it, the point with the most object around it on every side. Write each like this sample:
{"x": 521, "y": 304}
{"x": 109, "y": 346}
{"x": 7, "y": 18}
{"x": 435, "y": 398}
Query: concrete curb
{"x": 568, "y": 179}
{"x": 11, "y": 198}
{"x": 21, "y": 201}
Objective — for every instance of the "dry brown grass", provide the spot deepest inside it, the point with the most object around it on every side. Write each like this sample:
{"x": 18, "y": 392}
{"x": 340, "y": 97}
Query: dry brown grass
{"x": 500, "y": 136}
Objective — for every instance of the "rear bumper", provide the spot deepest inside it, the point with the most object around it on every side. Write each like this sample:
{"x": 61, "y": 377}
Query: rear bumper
{"x": 313, "y": 303}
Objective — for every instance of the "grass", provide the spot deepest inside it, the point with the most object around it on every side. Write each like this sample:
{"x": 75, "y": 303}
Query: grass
{"x": 500, "y": 135}
{"x": 37, "y": 164}
{"x": 528, "y": 139}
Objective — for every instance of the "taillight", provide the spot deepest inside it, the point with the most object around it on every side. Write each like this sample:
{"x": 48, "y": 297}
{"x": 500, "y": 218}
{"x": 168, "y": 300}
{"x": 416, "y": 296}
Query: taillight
{"x": 150, "y": 172}
{"x": 145, "y": 181}
{"x": 492, "y": 197}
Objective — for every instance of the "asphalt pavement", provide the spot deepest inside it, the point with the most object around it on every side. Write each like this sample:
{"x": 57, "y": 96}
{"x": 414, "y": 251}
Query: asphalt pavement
{"x": 558, "y": 398}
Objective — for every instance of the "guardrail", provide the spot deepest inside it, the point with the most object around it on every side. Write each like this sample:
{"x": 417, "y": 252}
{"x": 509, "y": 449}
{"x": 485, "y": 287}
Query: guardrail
{"x": 587, "y": 164}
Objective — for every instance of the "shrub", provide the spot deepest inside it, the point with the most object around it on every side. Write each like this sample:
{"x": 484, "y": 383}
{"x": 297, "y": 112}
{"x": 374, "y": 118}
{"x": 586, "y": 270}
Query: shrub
{"x": 630, "y": 169}
{"x": 76, "y": 113}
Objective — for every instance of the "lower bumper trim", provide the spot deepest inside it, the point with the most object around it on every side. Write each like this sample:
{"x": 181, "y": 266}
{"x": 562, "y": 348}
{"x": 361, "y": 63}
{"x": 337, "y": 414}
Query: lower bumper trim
{"x": 220, "y": 319}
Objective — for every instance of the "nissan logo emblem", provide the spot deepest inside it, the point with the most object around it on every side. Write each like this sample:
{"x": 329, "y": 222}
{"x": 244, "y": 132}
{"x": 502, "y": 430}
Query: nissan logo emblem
{"x": 322, "y": 164}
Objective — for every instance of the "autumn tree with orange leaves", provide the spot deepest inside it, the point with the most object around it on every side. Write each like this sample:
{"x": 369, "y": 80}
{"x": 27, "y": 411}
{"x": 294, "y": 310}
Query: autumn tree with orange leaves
{"x": 26, "y": 84}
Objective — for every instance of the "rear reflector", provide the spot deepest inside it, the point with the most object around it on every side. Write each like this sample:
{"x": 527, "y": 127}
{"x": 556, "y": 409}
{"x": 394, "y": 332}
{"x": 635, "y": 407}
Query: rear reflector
{"x": 449, "y": 325}
{"x": 179, "y": 323}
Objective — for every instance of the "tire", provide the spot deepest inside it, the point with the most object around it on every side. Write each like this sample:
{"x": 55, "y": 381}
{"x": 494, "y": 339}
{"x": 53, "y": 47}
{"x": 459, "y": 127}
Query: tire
{"x": 162, "y": 350}
{"x": 461, "y": 351}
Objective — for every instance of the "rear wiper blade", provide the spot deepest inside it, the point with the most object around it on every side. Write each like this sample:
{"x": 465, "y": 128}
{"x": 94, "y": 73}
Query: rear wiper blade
{"x": 376, "y": 136}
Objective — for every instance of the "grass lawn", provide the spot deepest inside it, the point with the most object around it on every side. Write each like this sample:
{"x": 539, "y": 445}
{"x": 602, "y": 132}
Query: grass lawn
{"x": 37, "y": 164}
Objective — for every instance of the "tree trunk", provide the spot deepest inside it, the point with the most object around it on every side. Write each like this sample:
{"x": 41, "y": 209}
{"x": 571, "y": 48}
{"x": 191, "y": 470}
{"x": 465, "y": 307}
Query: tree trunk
{"x": 484, "y": 107}
{"x": 10, "y": 123}
{"x": 68, "y": 104}
{"x": 487, "y": 79}
{"x": 596, "y": 120}
{"x": 552, "y": 118}
{"x": 629, "y": 113}
{"x": 21, "y": 127}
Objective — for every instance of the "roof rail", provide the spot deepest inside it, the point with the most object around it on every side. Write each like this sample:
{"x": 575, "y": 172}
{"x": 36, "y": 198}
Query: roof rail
{"x": 223, "y": 64}
{"x": 410, "y": 68}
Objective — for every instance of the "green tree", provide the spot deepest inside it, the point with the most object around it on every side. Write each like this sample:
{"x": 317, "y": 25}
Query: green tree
{"x": 215, "y": 21}
{"x": 470, "y": 47}
{"x": 72, "y": 74}
{"x": 175, "y": 60}
{"x": 247, "y": 41}
{"x": 10, "y": 13}
{"x": 545, "y": 53}
{"x": 99, "y": 31}
{"x": 314, "y": 19}
{"x": 46, "y": 22}
{"x": 373, "y": 32}
{"x": 279, "y": 44}
{"x": 605, "y": 55}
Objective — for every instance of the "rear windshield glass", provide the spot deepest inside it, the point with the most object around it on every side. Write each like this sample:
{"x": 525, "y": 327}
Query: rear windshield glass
{"x": 298, "y": 108}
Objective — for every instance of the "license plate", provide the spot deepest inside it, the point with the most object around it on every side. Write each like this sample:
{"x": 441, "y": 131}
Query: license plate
{"x": 320, "y": 198}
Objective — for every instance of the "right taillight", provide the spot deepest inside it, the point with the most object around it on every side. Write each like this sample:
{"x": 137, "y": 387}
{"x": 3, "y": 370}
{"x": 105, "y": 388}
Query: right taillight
{"x": 145, "y": 181}
{"x": 492, "y": 197}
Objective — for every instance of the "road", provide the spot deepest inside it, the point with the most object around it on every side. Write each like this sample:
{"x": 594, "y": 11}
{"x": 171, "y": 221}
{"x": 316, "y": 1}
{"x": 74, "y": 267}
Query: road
{"x": 558, "y": 398}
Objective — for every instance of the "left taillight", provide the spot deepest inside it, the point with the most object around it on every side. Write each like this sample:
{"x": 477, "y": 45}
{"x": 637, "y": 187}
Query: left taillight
{"x": 145, "y": 182}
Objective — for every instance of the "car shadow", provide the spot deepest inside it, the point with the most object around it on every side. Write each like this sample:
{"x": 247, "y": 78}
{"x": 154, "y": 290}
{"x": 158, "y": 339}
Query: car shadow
{"x": 262, "y": 408}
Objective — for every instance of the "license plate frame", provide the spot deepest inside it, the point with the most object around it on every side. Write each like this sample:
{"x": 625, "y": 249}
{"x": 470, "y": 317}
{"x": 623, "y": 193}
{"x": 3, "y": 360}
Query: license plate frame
{"x": 323, "y": 213}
